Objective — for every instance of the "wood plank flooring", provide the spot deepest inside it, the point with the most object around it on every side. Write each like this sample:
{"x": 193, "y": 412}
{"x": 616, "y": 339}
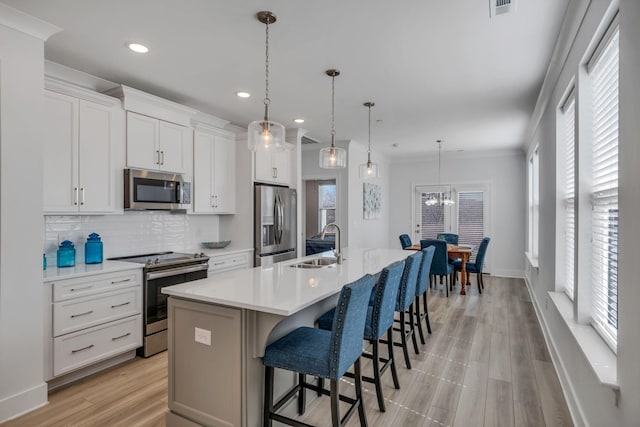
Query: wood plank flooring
{"x": 485, "y": 364}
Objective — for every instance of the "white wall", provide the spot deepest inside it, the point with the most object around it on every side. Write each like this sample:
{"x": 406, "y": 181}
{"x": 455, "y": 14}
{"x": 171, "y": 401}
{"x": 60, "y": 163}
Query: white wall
{"x": 590, "y": 402}
{"x": 505, "y": 172}
{"x": 21, "y": 140}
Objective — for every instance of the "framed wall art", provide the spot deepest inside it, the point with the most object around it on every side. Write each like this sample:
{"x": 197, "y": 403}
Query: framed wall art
{"x": 372, "y": 201}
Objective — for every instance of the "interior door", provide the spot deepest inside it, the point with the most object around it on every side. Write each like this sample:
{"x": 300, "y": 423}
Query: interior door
{"x": 428, "y": 221}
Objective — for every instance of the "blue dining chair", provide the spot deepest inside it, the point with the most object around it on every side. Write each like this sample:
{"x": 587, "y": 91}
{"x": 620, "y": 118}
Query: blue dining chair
{"x": 477, "y": 265}
{"x": 321, "y": 353}
{"x": 405, "y": 240}
{"x": 379, "y": 321}
{"x": 421, "y": 289}
{"x": 450, "y": 238}
{"x": 440, "y": 265}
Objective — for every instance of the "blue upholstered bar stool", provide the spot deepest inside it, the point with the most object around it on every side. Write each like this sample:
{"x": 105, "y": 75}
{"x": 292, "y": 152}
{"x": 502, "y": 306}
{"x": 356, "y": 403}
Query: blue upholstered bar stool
{"x": 326, "y": 354}
{"x": 476, "y": 266}
{"x": 421, "y": 289}
{"x": 440, "y": 265}
{"x": 404, "y": 305}
{"x": 405, "y": 240}
{"x": 379, "y": 320}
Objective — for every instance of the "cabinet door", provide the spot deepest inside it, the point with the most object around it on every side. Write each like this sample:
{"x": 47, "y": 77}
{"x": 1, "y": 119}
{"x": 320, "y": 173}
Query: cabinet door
{"x": 263, "y": 169}
{"x": 94, "y": 150}
{"x": 172, "y": 142}
{"x": 224, "y": 179}
{"x": 60, "y": 153}
{"x": 202, "y": 172}
{"x": 281, "y": 164}
{"x": 142, "y": 142}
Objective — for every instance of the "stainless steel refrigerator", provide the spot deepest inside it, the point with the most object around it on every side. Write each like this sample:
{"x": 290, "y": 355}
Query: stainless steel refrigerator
{"x": 275, "y": 229}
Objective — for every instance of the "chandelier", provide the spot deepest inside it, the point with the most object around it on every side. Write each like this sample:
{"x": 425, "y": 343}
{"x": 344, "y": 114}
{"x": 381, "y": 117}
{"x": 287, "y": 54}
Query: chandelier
{"x": 369, "y": 169}
{"x": 333, "y": 157}
{"x": 439, "y": 198}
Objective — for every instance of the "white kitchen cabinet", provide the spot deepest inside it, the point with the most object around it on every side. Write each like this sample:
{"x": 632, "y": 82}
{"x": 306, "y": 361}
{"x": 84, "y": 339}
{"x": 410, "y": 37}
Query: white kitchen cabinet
{"x": 273, "y": 166}
{"x": 82, "y": 142}
{"x": 91, "y": 318}
{"x": 155, "y": 144}
{"x": 219, "y": 263}
{"x": 214, "y": 184}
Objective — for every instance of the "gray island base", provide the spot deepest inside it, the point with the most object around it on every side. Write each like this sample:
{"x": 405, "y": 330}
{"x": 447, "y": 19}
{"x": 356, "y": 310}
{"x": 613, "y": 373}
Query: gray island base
{"x": 220, "y": 326}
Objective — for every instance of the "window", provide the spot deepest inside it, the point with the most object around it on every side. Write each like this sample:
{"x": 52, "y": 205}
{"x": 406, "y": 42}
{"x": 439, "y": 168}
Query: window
{"x": 430, "y": 220}
{"x": 471, "y": 220}
{"x": 326, "y": 204}
{"x": 534, "y": 208}
{"x": 567, "y": 156}
{"x": 603, "y": 76}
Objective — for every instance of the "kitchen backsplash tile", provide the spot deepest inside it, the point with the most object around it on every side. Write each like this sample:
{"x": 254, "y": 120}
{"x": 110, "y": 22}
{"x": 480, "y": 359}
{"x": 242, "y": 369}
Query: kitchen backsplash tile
{"x": 131, "y": 233}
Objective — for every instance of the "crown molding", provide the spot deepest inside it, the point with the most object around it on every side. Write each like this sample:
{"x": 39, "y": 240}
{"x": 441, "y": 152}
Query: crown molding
{"x": 64, "y": 87}
{"x": 208, "y": 122}
{"x": 27, "y": 24}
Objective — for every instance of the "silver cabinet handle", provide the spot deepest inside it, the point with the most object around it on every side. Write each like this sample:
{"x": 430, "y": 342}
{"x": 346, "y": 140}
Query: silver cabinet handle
{"x": 219, "y": 263}
{"x": 121, "y": 305}
{"x": 213, "y": 204}
{"x": 75, "y": 196}
{"x": 162, "y": 154}
{"x": 121, "y": 336}
{"x": 82, "y": 195}
{"x": 81, "y": 314}
{"x": 113, "y": 282}
{"x": 82, "y": 349}
{"x": 216, "y": 201}
{"x": 157, "y": 157}
{"x": 274, "y": 172}
{"x": 80, "y": 289}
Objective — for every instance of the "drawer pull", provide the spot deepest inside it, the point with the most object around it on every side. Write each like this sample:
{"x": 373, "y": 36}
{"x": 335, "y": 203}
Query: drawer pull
{"x": 121, "y": 336}
{"x": 81, "y": 314}
{"x": 81, "y": 289}
{"x": 121, "y": 281}
{"x": 218, "y": 263}
{"x": 82, "y": 349}
{"x": 120, "y": 305}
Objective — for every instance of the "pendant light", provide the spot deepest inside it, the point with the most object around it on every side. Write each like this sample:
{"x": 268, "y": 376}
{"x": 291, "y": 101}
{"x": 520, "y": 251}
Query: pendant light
{"x": 267, "y": 134}
{"x": 333, "y": 157}
{"x": 439, "y": 198}
{"x": 369, "y": 169}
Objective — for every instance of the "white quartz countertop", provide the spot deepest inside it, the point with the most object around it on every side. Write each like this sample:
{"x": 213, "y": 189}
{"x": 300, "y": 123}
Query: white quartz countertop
{"x": 284, "y": 290}
{"x": 229, "y": 250}
{"x": 54, "y": 273}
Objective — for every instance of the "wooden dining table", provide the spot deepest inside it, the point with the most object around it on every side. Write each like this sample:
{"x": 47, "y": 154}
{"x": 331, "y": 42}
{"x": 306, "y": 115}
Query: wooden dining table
{"x": 454, "y": 251}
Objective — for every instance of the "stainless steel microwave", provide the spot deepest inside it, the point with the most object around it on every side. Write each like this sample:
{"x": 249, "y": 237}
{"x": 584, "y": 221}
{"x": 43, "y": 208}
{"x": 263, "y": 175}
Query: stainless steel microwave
{"x": 153, "y": 190}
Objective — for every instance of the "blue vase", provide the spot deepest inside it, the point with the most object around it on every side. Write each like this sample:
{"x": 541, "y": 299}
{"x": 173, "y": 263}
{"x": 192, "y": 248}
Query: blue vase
{"x": 93, "y": 249}
{"x": 66, "y": 255}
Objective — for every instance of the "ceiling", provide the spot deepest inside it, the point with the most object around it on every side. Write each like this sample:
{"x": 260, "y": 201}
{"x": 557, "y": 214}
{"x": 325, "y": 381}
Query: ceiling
{"x": 435, "y": 69}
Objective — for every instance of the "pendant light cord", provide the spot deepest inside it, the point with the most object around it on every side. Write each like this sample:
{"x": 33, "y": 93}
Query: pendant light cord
{"x": 369, "y": 149}
{"x": 267, "y": 101}
{"x": 333, "y": 111}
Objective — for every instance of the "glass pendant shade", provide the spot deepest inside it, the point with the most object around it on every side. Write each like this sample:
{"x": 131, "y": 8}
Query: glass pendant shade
{"x": 266, "y": 136}
{"x": 369, "y": 170}
{"x": 333, "y": 157}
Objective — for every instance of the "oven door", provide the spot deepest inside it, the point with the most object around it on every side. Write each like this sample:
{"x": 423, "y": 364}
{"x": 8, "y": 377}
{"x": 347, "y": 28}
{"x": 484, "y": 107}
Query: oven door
{"x": 156, "y": 302}
{"x": 154, "y": 190}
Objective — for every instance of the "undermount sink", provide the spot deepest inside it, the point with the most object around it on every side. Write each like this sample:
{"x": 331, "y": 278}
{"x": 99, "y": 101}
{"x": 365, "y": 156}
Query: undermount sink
{"x": 316, "y": 263}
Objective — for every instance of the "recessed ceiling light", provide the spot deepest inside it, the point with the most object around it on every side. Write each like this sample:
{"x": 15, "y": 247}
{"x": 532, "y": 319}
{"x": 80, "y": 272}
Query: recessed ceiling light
{"x": 243, "y": 94}
{"x": 298, "y": 120}
{"x": 138, "y": 48}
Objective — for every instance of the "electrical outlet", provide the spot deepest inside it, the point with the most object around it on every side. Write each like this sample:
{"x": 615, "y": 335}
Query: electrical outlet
{"x": 203, "y": 336}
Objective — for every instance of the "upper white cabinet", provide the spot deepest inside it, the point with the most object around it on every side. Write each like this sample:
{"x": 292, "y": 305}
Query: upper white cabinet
{"x": 214, "y": 184}
{"x": 83, "y": 151}
{"x": 156, "y": 144}
{"x": 273, "y": 166}
{"x": 159, "y": 136}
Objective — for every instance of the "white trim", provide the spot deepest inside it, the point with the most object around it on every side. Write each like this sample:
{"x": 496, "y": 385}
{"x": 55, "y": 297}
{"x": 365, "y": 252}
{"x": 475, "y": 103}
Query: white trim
{"x": 459, "y": 156}
{"x": 208, "y": 122}
{"x": 501, "y": 272}
{"x": 532, "y": 261}
{"x": 25, "y": 23}
{"x": 23, "y": 402}
{"x": 575, "y": 409}
{"x": 60, "y": 86}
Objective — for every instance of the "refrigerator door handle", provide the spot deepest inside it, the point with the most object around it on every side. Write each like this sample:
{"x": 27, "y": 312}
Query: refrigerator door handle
{"x": 276, "y": 219}
{"x": 281, "y": 219}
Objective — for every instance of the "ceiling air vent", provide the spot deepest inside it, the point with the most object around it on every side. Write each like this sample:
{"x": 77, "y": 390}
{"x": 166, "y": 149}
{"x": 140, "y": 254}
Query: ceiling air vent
{"x": 501, "y": 7}
{"x": 307, "y": 140}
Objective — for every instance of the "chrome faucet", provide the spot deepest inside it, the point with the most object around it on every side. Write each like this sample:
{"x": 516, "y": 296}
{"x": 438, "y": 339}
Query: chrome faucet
{"x": 338, "y": 250}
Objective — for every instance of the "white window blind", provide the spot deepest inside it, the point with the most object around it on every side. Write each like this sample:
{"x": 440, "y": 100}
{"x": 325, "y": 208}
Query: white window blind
{"x": 533, "y": 203}
{"x": 471, "y": 218}
{"x": 604, "y": 169}
{"x": 432, "y": 217}
{"x": 569, "y": 118}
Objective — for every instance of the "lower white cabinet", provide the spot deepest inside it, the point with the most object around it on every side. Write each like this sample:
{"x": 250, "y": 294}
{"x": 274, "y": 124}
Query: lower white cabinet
{"x": 235, "y": 261}
{"x": 91, "y": 319}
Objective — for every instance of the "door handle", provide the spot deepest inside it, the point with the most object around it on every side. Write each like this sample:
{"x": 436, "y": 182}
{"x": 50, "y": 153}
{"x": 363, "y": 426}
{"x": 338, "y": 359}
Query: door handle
{"x": 162, "y": 154}
{"x": 75, "y": 196}
{"x": 157, "y": 157}
{"x": 82, "y": 195}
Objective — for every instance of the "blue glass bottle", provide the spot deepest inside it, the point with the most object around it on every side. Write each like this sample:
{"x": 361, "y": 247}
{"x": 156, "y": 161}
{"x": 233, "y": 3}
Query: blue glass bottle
{"x": 93, "y": 249}
{"x": 66, "y": 254}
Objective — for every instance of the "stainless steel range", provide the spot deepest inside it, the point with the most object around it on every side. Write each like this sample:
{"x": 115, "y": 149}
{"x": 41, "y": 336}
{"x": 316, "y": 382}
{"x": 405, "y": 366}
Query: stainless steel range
{"x": 161, "y": 270}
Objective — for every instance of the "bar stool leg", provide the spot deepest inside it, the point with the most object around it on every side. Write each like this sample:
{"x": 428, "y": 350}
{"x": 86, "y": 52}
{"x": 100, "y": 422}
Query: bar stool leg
{"x": 302, "y": 401}
{"x": 376, "y": 376}
{"x": 335, "y": 401}
{"x": 426, "y": 312}
{"x": 268, "y": 397}
{"x": 394, "y": 373}
{"x": 412, "y": 330}
{"x": 418, "y": 320}
{"x": 403, "y": 339}
{"x": 361, "y": 414}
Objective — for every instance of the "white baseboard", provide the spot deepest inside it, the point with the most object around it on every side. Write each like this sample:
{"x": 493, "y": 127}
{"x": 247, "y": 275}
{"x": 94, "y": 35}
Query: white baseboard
{"x": 518, "y": 274}
{"x": 577, "y": 415}
{"x": 23, "y": 402}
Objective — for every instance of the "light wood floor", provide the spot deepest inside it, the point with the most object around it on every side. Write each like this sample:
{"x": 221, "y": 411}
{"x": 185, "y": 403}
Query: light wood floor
{"x": 486, "y": 364}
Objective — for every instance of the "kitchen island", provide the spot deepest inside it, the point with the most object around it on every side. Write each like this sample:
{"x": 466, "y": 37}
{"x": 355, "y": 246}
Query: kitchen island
{"x": 219, "y": 328}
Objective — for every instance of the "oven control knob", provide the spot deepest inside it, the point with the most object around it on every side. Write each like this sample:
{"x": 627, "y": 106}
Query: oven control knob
{"x": 202, "y": 255}
{"x": 156, "y": 261}
{"x": 149, "y": 262}
{"x": 196, "y": 255}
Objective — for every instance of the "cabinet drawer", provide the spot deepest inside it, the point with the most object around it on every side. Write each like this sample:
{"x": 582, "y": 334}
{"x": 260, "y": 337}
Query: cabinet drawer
{"x": 82, "y": 286}
{"x": 228, "y": 262}
{"x": 88, "y": 346}
{"x": 82, "y": 313}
